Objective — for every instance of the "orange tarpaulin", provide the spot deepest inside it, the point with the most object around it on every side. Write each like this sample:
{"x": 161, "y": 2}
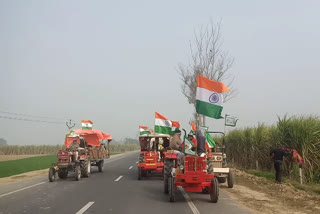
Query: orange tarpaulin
{"x": 93, "y": 136}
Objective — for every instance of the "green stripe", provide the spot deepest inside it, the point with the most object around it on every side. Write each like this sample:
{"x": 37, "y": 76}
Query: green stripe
{"x": 210, "y": 140}
{"x": 163, "y": 130}
{"x": 144, "y": 132}
{"x": 209, "y": 110}
{"x": 86, "y": 128}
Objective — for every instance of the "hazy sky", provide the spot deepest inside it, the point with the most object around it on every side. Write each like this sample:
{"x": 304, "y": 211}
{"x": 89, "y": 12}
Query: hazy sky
{"x": 115, "y": 62}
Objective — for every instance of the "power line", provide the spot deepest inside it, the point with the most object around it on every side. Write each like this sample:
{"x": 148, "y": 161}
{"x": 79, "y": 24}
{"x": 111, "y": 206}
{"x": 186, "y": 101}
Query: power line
{"x": 28, "y": 115}
{"x": 30, "y": 120}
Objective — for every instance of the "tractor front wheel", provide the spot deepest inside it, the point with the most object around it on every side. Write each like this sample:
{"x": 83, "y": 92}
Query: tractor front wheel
{"x": 52, "y": 174}
{"x": 77, "y": 173}
{"x": 85, "y": 168}
{"x": 230, "y": 179}
{"x": 168, "y": 165}
{"x": 172, "y": 190}
{"x": 214, "y": 190}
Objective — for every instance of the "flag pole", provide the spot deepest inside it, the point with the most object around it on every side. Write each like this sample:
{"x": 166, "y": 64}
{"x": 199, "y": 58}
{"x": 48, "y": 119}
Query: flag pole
{"x": 225, "y": 128}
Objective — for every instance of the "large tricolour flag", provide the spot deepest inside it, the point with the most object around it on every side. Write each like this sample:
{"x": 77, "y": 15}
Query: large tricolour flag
{"x": 163, "y": 125}
{"x": 209, "y": 98}
{"x": 86, "y": 124}
{"x": 144, "y": 130}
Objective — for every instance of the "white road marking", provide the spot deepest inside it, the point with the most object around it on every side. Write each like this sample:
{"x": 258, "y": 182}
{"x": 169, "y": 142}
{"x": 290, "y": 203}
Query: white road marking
{"x": 118, "y": 178}
{"x": 9, "y": 193}
{"x": 190, "y": 203}
{"x": 130, "y": 167}
{"x": 83, "y": 209}
{"x": 137, "y": 162}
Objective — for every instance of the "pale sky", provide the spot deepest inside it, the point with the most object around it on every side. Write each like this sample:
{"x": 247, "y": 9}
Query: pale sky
{"x": 115, "y": 63}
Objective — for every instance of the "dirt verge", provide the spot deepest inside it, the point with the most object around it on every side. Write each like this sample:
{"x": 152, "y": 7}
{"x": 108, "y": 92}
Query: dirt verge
{"x": 265, "y": 196}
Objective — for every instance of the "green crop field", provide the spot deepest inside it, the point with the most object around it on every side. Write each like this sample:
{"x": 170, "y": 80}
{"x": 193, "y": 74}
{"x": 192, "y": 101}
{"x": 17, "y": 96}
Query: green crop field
{"x": 14, "y": 167}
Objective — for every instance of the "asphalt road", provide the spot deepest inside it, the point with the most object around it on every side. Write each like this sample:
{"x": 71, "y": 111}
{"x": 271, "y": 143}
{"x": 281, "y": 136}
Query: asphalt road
{"x": 115, "y": 190}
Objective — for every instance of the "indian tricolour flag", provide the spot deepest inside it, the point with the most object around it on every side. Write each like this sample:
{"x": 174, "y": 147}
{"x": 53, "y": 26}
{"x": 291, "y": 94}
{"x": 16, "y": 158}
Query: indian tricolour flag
{"x": 86, "y": 124}
{"x": 162, "y": 124}
{"x": 209, "y": 98}
{"x": 144, "y": 130}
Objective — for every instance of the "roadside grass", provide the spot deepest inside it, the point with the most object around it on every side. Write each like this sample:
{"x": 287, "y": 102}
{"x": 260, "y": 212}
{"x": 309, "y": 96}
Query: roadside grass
{"x": 14, "y": 167}
{"x": 314, "y": 188}
{"x": 267, "y": 175}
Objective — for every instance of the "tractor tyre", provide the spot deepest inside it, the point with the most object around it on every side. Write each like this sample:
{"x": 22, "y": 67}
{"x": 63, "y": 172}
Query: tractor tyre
{"x": 77, "y": 173}
{"x": 230, "y": 179}
{"x": 52, "y": 174}
{"x": 210, "y": 167}
{"x": 85, "y": 168}
{"x": 63, "y": 173}
{"x": 222, "y": 179}
{"x": 139, "y": 173}
{"x": 214, "y": 190}
{"x": 168, "y": 165}
{"x": 172, "y": 191}
{"x": 100, "y": 165}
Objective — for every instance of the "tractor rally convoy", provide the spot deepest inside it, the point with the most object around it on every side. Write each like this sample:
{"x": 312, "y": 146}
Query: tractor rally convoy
{"x": 194, "y": 163}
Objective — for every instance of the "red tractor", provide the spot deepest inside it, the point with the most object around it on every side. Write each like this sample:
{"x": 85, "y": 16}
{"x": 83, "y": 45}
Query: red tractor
{"x": 151, "y": 153}
{"x": 192, "y": 176}
{"x": 84, "y": 148}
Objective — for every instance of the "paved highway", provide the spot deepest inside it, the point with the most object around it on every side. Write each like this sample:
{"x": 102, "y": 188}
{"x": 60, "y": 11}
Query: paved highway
{"x": 115, "y": 190}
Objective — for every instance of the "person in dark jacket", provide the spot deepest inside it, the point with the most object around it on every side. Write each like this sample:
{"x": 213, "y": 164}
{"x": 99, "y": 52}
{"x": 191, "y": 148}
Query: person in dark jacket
{"x": 201, "y": 140}
{"x": 277, "y": 156}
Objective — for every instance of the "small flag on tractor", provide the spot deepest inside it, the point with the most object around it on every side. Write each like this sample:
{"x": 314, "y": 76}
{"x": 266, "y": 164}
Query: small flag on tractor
{"x": 86, "y": 124}
{"x": 193, "y": 128}
{"x": 209, "y": 97}
{"x": 144, "y": 130}
{"x": 163, "y": 125}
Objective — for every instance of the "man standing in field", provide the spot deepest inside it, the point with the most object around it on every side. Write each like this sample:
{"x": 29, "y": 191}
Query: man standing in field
{"x": 277, "y": 156}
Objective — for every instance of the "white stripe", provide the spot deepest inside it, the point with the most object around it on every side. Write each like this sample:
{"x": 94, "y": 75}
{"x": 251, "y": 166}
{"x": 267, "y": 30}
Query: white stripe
{"x": 130, "y": 167}
{"x": 190, "y": 203}
{"x": 161, "y": 122}
{"x": 9, "y": 193}
{"x": 204, "y": 95}
{"x": 83, "y": 209}
{"x": 86, "y": 125}
{"x": 118, "y": 179}
{"x": 137, "y": 161}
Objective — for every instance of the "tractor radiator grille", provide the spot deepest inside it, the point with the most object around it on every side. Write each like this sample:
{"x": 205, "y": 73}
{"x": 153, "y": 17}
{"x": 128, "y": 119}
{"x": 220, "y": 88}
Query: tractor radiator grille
{"x": 217, "y": 164}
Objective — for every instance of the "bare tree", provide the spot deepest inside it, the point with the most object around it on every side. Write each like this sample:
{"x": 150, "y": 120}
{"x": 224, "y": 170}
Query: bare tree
{"x": 209, "y": 60}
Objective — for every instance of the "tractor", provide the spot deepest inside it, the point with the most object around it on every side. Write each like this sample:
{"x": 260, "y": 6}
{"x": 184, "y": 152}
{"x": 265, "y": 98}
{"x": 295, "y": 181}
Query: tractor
{"x": 84, "y": 148}
{"x": 193, "y": 176}
{"x": 217, "y": 163}
{"x": 152, "y": 150}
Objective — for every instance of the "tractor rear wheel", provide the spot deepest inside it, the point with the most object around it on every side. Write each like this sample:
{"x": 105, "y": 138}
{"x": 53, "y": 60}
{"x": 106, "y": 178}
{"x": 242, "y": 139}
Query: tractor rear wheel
{"x": 214, "y": 190}
{"x": 85, "y": 168}
{"x": 168, "y": 165}
{"x": 172, "y": 191}
{"x": 52, "y": 174}
{"x": 221, "y": 179}
{"x": 63, "y": 173}
{"x": 230, "y": 179}
{"x": 77, "y": 173}
{"x": 100, "y": 165}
